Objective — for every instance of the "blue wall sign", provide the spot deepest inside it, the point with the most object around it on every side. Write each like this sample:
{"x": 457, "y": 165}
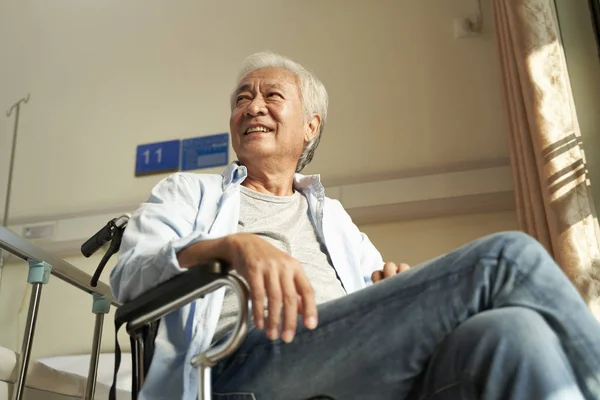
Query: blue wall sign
{"x": 159, "y": 157}
{"x": 205, "y": 152}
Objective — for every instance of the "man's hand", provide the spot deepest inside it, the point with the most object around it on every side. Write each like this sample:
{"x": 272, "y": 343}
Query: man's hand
{"x": 274, "y": 275}
{"x": 389, "y": 269}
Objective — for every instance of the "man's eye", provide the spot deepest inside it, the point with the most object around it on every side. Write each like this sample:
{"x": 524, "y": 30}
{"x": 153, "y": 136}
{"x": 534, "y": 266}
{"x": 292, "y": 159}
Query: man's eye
{"x": 275, "y": 94}
{"x": 241, "y": 99}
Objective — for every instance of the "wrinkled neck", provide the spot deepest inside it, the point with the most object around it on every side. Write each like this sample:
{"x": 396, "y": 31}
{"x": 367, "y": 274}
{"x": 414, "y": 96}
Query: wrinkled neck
{"x": 276, "y": 183}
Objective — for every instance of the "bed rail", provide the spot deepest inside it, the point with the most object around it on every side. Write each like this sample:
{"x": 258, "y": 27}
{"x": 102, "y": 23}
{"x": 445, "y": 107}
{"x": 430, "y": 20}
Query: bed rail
{"x": 42, "y": 264}
{"x": 26, "y": 250}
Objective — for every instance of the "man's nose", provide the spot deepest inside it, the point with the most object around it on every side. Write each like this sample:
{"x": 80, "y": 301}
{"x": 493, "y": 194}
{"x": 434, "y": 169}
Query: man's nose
{"x": 256, "y": 107}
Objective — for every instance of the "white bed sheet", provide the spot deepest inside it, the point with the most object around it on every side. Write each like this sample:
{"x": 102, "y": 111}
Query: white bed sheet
{"x": 63, "y": 378}
{"x": 80, "y": 364}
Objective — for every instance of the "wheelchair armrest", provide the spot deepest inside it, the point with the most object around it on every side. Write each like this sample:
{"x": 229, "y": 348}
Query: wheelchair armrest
{"x": 141, "y": 315}
{"x": 156, "y": 301}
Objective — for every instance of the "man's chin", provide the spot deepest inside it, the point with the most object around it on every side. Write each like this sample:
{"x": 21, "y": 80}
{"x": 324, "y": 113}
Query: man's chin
{"x": 255, "y": 152}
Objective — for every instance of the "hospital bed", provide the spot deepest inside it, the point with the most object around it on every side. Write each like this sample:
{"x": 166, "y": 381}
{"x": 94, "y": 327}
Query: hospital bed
{"x": 21, "y": 378}
{"x": 63, "y": 377}
{"x": 84, "y": 376}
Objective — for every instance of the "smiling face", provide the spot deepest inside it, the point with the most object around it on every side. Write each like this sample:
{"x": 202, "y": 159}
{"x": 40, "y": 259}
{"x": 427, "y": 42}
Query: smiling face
{"x": 267, "y": 120}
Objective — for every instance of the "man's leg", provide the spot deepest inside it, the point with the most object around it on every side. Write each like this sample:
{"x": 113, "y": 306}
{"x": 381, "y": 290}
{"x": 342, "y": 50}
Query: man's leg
{"x": 379, "y": 340}
{"x": 506, "y": 353}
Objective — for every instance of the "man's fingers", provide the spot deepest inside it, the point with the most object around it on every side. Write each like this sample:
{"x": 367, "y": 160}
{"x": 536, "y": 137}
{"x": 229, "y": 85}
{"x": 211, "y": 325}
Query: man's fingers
{"x": 377, "y": 276}
{"x": 390, "y": 269}
{"x": 290, "y": 307}
{"x": 309, "y": 305}
{"x": 300, "y": 305}
{"x": 275, "y": 300}
{"x": 257, "y": 293}
{"x": 403, "y": 267}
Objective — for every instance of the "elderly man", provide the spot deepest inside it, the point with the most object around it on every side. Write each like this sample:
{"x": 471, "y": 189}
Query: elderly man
{"x": 495, "y": 319}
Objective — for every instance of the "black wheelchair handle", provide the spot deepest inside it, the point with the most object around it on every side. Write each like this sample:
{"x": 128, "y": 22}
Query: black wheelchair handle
{"x": 101, "y": 237}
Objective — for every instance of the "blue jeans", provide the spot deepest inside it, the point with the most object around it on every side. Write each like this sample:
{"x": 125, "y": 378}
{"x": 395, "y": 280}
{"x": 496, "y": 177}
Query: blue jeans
{"x": 495, "y": 319}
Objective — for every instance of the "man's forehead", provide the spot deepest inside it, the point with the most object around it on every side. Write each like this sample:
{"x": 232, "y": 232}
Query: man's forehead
{"x": 270, "y": 78}
{"x": 250, "y": 86}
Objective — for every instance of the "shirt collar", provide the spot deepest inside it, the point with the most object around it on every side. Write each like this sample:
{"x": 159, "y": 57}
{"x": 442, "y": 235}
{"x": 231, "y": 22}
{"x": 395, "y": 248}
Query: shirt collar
{"x": 236, "y": 173}
{"x": 308, "y": 182}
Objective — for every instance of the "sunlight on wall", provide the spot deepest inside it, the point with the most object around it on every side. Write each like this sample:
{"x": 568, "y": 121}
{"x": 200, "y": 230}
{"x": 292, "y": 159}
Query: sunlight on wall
{"x": 583, "y": 64}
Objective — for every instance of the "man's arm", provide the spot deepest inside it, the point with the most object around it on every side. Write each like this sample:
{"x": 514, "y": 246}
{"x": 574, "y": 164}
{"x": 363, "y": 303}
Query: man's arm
{"x": 161, "y": 241}
{"x": 372, "y": 262}
{"x": 271, "y": 274}
{"x": 156, "y": 231}
{"x": 202, "y": 252}
{"x": 374, "y": 268}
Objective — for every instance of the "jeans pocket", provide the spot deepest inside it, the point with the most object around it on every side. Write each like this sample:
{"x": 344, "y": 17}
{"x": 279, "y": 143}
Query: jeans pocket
{"x": 234, "y": 396}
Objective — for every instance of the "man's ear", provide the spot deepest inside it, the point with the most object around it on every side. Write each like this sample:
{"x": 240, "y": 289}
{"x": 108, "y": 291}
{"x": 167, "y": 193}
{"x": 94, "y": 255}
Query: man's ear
{"x": 312, "y": 128}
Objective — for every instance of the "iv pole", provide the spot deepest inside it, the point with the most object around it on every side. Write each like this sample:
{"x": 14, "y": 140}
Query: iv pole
{"x": 17, "y": 108}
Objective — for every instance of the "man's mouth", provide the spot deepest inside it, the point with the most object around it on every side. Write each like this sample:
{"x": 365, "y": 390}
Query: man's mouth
{"x": 253, "y": 129}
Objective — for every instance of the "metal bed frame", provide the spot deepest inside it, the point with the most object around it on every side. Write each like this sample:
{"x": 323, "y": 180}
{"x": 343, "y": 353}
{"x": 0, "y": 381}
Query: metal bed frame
{"x": 137, "y": 314}
{"x": 42, "y": 264}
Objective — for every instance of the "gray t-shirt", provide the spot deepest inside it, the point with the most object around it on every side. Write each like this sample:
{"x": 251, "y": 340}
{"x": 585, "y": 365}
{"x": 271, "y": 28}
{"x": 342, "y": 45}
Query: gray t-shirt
{"x": 284, "y": 222}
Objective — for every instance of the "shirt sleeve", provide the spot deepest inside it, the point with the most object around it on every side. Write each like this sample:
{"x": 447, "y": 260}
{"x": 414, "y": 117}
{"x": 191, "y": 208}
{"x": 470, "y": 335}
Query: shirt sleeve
{"x": 156, "y": 231}
{"x": 370, "y": 258}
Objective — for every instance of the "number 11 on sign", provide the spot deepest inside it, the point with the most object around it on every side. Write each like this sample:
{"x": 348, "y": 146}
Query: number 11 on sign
{"x": 158, "y": 155}
{"x": 154, "y": 158}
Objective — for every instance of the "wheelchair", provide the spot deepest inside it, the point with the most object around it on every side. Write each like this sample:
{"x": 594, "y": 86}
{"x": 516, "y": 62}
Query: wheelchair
{"x": 142, "y": 315}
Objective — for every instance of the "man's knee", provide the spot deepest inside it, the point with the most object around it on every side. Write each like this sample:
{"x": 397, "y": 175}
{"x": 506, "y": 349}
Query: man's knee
{"x": 518, "y": 249}
{"x": 516, "y": 239}
{"x": 516, "y": 332}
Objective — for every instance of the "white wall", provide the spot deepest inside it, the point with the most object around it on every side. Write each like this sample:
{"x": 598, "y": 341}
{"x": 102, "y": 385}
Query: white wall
{"x": 107, "y": 76}
{"x": 405, "y": 96}
{"x": 414, "y": 242}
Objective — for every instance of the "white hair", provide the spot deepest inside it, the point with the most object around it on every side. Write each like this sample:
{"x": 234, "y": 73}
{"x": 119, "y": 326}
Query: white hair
{"x": 313, "y": 94}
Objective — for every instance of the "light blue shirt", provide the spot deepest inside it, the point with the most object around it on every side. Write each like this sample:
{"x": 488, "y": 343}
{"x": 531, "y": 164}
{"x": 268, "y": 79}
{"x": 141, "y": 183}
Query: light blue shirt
{"x": 186, "y": 208}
